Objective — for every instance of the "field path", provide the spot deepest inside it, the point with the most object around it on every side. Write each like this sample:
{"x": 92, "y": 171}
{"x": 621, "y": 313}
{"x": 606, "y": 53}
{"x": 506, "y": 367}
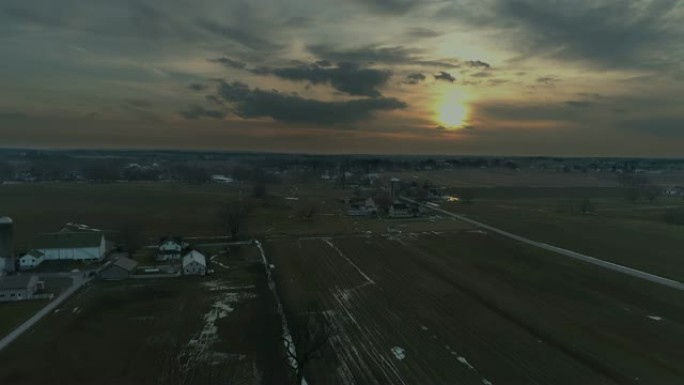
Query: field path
{"x": 565, "y": 252}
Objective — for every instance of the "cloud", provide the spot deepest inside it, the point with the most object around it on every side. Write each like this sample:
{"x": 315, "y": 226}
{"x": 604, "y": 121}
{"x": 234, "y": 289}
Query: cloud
{"x": 444, "y": 76}
{"x": 11, "y": 115}
{"x": 477, "y": 64}
{"x": 196, "y": 87}
{"x": 256, "y": 103}
{"x": 607, "y": 33}
{"x": 422, "y": 33}
{"x": 380, "y": 54}
{"x": 197, "y": 112}
{"x": 390, "y": 7}
{"x": 657, "y": 126}
{"x": 527, "y": 112}
{"x": 346, "y": 77}
{"x": 481, "y": 74}
{"x": 548, "y": 80}
{"x": 228, "y": 62}
{"x": 578, "y": 103}
{"x": 241, "y": 36}
{"x": 414, "y": 78}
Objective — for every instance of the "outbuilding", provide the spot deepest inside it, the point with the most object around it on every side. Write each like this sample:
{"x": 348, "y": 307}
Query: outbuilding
{"x": 121, "y": 268}
{"x": 194, "y": 263}
{"x": 19, "y": 287}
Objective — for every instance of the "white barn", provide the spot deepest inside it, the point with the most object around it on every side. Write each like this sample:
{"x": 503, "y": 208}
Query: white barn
{"x": 31, "y": 260}
{"x": 194, "y": 263}
{"x": 76, "y": 246}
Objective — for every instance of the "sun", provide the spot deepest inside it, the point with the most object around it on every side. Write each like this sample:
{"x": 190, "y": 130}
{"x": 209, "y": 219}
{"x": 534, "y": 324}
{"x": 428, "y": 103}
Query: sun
{"x": 452, "y": 111}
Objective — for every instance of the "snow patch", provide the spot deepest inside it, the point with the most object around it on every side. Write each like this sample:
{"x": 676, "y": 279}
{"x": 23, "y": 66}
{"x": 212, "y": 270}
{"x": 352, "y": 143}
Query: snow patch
{"x": 465, "y": 362}
{"x": 655, "y": 317}
{"x": 398, "y": 353}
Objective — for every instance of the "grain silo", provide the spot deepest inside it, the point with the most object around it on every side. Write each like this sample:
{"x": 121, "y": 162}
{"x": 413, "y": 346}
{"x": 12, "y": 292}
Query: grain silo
{"x": 7, "y": 244}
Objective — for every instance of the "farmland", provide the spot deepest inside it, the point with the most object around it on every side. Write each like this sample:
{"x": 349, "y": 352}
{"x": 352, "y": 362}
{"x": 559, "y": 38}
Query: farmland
{"x": 169, "y": 331}
{"x": 468, "y": 307}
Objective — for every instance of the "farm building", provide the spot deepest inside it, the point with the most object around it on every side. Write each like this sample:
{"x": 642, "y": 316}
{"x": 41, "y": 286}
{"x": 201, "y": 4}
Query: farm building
{"x": 31, "y": 260}
{"x": 362, "y": 208}
{"x": 6, "y": 245}
{"x": 403, "y": 210}
{"x": 19, "y": 287}
{"x": 194, "y": 263}
{"x": 170, "y": 248}
{"x": 77, "y": 246}
{"x": 121, "y": 268}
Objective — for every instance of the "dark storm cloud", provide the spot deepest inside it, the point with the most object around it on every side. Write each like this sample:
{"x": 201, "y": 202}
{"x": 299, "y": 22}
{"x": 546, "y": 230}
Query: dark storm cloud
{"x": 379, "y": 54}
{"x": 414, "y": 78}
{"x": 422, "y": 33}
{"x": 608, "y": 33}
{"x": 256, "y": 103}
{"x": 228, "y": 62}
{"x": 477, "y": 64}
{"x": 241, "y": 36}
{"x": 196, "y": 87}
{"x": 444, "y": 76}
{"x": 197, "y": 112}
{"x": 391, "y": 7}
{"x": 657, "y": 126}
{"x": 346, "y": 77}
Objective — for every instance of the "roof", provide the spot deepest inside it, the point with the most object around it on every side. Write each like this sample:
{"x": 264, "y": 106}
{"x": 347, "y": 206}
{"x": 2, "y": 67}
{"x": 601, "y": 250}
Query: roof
{"x": 194, "y": 256}
{"x": 77, "y": 227}
{"x": 174, "y": 239}
{"x": 5, "y": 220}
{"x": 17, "y": 281}
{"x": 125, "y": 263}
{"x": 34, "y": 253}
{"x": 68, "y": 240}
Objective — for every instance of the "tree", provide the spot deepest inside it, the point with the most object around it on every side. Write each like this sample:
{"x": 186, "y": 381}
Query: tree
{"x": 132, "y": 236}
{"x": 309, "y": 332}
{"x": 233, "y": 218}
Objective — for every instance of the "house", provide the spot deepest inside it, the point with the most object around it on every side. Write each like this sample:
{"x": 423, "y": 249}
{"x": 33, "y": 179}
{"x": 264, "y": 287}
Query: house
{"x": 194, "y": 263}
{"x": 170, "y": 248}
{"x": 31, "y": 260}
{"x": 70, "y": 245}
{"x": 362, "y": 208}
{"x": 19, "y": 287}
{"x": 121, "y": 268}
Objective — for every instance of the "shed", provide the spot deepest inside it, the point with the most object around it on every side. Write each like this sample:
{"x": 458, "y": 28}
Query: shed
{"x": 121, "y": 268}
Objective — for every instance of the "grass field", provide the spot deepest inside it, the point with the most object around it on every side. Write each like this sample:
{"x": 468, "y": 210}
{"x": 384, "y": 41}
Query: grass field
{"x": 470, "y": 308}
{"x": 218, "y": 329}
{"x": 632, "y": 234}
{"x": 14, "y": 313}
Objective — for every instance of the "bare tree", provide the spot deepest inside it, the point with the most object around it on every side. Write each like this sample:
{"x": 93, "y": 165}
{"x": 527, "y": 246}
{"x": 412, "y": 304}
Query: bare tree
{"x": 132, "y": 236}
{"x": 310, "y": 333}
{"x": 233, "y": 218}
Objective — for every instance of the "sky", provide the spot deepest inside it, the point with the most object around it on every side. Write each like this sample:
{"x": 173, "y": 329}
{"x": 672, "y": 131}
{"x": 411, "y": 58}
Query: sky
{"x": 490, "y": 77}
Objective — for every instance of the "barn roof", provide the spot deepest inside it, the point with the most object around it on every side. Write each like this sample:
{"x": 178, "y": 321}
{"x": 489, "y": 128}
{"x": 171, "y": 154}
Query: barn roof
{"x": 68, "y": 240}
{"x": 125, "y": 263}
{"x": 13, "y": 282}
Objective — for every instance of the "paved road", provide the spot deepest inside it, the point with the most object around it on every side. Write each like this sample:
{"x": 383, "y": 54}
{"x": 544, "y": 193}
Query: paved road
{"x": 568, "y": 253}
{"x": 78, "y": 281}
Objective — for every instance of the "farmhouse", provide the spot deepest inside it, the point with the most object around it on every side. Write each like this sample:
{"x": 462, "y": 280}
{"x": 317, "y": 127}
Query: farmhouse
{"x": 19, "y": 287}
{"x": 194, "y": 263}
{"x": 31, "y": 260}
{"x": 170, "y": 248}
{"x": 121, "y": 268}
{"x": 67, "y": 245}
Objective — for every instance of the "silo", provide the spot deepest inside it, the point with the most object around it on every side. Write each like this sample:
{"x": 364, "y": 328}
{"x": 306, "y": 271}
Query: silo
{"x": 6, "y": 237}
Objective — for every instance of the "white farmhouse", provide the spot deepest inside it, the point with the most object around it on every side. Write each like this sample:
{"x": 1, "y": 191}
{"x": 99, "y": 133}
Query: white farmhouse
{"x": 76, "y": 246}
{"x": 194, "y": 263}
{"x": 31, "y": 260}
{"x": 170, "y": 248}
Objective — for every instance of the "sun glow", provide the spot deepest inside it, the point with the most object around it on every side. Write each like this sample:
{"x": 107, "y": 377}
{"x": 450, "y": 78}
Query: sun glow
{"x": 452, "y": 110}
